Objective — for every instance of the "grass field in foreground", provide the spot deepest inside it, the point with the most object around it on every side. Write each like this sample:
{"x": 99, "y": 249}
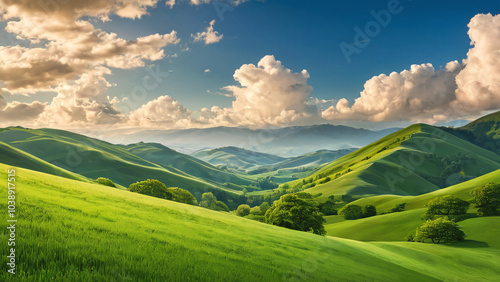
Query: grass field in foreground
{"x": 75, "y": 231}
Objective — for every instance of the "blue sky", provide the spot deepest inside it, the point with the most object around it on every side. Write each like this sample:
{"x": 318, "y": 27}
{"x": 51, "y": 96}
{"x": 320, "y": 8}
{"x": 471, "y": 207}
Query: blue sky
{"x": 83, "y": 67}
{"x": 303, "y": 35}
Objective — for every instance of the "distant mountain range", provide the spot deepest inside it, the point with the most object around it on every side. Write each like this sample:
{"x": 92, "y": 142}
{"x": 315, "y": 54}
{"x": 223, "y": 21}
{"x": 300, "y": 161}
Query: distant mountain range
{"x": 284, "y": 142}
{"x": 256, "y": 163}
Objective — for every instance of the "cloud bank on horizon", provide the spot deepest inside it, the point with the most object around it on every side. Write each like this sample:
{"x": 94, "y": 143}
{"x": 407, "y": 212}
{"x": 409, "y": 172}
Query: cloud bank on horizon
{"x": 70, "y": 57}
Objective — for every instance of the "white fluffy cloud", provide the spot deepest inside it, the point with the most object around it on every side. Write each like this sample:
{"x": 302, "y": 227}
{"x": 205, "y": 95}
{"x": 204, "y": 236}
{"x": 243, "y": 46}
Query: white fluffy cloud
{"x": 419, "y": 93}
{"x": 424, "y": 94}
{"x": 269, "y": 94}
{"x": 72, "y": 56}
{"x": 479, "y": 82}
{"x": 163, "y": 111}
{"x": 209, "y": 36}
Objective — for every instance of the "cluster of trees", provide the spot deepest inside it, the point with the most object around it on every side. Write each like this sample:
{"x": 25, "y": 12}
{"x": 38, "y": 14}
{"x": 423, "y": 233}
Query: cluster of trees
{"x": 351, "y": 212}
{"x": 155, "y": 188}
{"x": 265, "y": 183}
{"x": 439, "y": 227}
{"x": 244, "y": 210}
{"x": 105, "y": 181}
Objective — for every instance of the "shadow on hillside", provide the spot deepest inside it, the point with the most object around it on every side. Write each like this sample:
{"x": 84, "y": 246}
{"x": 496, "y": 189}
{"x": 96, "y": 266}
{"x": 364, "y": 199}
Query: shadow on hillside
{"x": 470, "y": 244}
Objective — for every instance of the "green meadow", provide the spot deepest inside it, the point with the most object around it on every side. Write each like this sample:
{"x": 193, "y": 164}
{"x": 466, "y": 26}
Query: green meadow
{"x": 76, "y": 231}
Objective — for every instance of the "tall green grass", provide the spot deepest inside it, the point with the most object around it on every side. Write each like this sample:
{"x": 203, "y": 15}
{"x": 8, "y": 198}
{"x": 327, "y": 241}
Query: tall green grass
{"x": 75, "y": 231}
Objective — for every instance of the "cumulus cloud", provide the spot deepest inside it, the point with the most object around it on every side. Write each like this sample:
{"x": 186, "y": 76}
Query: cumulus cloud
{"x": 163, "y": 111}
{"x": 209, "y": 36}
{"x": 479, "y": 82}
{"x": 424, "y": 94}
{"x": 419, "y": 93}
{"x": 268, "y": 93}
{"x": 72, "y": 56}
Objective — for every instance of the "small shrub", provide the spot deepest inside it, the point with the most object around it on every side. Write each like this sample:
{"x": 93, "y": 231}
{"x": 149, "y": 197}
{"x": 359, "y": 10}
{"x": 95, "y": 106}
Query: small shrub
{"x": 105, "y": 181}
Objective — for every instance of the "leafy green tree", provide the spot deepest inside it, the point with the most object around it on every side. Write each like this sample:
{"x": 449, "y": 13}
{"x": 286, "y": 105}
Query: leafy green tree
{"x": 151, "y": 187}
{"x": 208, "y": 201}
{"x": 243, "y": 210}
{"x": 446, "y": 205}
{"x": 182, "y": 196}
{"x": 487, "y": 199}
{"x": 256, "y": 211}
{"x": 220, "y": 206}
{"x": 352, "y": 212}
{"x": 328, "y": 208}
{"x": 105, "y": 181}
{"x": 155, "y": 188}
{"x": 264, "y": 207}
{"x": 369, "y": 210}
{"x": 398, "y": 208}
{"x": 292, "y": 212}
{"x": 439, "y": 230}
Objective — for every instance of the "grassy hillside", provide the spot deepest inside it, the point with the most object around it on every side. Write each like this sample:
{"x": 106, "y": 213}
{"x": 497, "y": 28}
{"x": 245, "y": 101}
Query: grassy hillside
{"x": 236, "y": 158}
{"x": 168, "y": 158}
{"x": 307, "y": 161}
{"x": 77, "y": 231}
{"x": 484, "y": 132}
{"x": 94, "y": 158}
{"x": 396, "y": 226}
{"x": 15, "y": 157}
{"x": 412, "y": 161}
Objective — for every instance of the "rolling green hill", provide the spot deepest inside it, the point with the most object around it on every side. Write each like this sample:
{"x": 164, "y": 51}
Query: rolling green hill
{"x": 484, "y": 132}
{"x": 76, "y": 231}
{"x": 396, "y": 226}
{"x": 412, "y": 161}
{"x": 307, "y": 161}
{"x": 93, "y": 158}
{"x": 236, "y": 158}
{"x": 12, "y": 156}
{"x": 168, "y": 158}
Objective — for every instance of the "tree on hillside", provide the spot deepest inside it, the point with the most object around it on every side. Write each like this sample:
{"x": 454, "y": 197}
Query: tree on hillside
{"x": 351, "y": 212}
{"x": 398, "y": 208}
{"x": 155, "y": 188}
{"x": 210, "y": 202}
{"x": 292, "y": 212}
{"x": 328, "y": 208}
{"x": 182, "y": 196}
{"x": 264, "y": 207}
{"x": 446, "y": 205}
{"x": 369, "y": 210}
{"x": 221, "y": 206}
{"x": 439, "y": 230}
{"x": 256, "y": 211}
{"x": 487, "y": 199}
{"x": 151, "y": 187}
{"x": 243, "y": 210}
{"x": 105, "y": 181}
